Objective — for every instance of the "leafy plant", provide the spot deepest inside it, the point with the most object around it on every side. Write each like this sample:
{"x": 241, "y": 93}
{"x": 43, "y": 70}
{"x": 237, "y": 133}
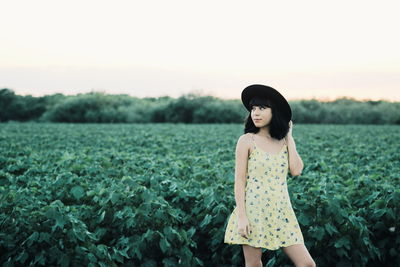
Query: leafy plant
{"x": 161, "y": 194}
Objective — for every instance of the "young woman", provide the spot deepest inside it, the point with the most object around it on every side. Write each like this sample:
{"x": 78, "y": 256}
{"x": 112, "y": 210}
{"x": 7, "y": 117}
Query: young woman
{"x": 263, "y": 216}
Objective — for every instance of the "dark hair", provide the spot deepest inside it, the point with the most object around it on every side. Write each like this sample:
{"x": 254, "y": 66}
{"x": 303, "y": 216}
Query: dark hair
{"x": 278, "y": 127}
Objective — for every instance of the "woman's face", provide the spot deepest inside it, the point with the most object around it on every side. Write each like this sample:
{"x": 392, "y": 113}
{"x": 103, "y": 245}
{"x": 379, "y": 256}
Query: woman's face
{"x": 261, "y": 115}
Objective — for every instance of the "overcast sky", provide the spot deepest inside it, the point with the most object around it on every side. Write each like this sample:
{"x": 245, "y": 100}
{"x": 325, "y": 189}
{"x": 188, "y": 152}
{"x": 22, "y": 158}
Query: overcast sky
{"x": 305, "y": 49}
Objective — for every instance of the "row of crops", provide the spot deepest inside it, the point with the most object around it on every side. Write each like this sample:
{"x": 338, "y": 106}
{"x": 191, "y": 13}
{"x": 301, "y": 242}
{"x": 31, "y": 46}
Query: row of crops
{"x": 161, "y": 194}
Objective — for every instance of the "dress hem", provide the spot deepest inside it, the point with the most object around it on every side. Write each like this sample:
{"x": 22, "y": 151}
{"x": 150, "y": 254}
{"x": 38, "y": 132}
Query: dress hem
{"x": 269, "y": 248}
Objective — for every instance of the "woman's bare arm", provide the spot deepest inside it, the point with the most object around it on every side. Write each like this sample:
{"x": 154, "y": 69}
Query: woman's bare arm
{"x": 295, "y": 162}
{"x": 241, "y": 157}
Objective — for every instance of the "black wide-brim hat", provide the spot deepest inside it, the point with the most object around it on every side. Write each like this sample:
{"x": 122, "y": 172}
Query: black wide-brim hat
{"x": 268, "y": 92}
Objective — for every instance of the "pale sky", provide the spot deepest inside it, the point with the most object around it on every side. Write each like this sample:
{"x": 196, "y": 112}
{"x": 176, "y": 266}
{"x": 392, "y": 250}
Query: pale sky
{"x": 305, "y": 49}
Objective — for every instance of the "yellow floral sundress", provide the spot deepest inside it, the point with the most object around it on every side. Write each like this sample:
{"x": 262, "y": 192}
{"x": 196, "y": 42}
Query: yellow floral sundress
{"x": 273, "y": 223}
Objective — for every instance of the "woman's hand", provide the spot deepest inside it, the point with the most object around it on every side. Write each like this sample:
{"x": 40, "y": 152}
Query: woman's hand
{"x": 289, "y": 134}
{"x": 244, "y": 227}
{"x": 290, "y": 127}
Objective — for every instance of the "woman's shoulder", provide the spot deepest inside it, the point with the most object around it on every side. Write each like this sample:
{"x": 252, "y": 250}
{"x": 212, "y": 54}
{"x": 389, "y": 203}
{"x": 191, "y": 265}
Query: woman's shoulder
{"x": 243, "y": 145}
{"x": 245, "y": 138}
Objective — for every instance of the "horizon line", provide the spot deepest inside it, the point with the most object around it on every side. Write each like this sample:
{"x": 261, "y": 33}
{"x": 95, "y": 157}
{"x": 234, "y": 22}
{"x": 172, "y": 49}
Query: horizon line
{"x": 196, "y": 93}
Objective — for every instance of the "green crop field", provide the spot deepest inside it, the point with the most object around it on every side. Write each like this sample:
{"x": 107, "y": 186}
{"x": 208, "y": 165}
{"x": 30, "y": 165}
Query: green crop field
{"x": 161, "y": 194}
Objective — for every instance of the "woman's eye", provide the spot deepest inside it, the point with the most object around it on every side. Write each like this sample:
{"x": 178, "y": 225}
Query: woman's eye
{"x": 260, "y": 107}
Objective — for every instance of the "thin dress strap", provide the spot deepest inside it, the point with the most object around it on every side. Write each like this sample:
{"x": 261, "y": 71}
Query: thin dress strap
{"x": 254, "y": 142}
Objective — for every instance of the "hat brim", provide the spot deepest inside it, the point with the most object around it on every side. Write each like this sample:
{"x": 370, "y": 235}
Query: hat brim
{"x": 268, "y": 92}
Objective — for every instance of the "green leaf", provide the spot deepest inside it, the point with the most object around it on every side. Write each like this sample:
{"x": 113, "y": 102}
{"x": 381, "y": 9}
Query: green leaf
{"x": 53, "y": 213}
{"x": 164, "y": 245}
{"x": 77, "y": 191}
{"x": 191, "y": 232}
{"x": 343, "y": 242}
{"x": 303, "y": 219}
{"x": 114, "y": 197}
{"x": 40, "y": 258}
{"x": 198, "y": 261}
{"x": 92, "y": 257}
{"x": 170, "y": 233}
{"x": 44, "y": 237}
{"x": 32, "y": 238}
{"x": 206, "y": 220}
{"x": 22, "y": 257}
{"x": 136, "y": 251}
{"x": 319, "y": 233}
{"x": 100, "y": 218}
{"x": 147, "y": 195}
{"x": 60, "y": 222}
{"x": 331, "y": 228}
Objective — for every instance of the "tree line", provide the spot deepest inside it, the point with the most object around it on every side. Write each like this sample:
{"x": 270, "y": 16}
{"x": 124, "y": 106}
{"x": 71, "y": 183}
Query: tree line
{"x": 98, "y": 107}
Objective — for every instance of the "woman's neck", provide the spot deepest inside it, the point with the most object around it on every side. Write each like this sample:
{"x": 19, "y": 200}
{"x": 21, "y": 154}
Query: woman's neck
{"x": 264, "y": 131}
